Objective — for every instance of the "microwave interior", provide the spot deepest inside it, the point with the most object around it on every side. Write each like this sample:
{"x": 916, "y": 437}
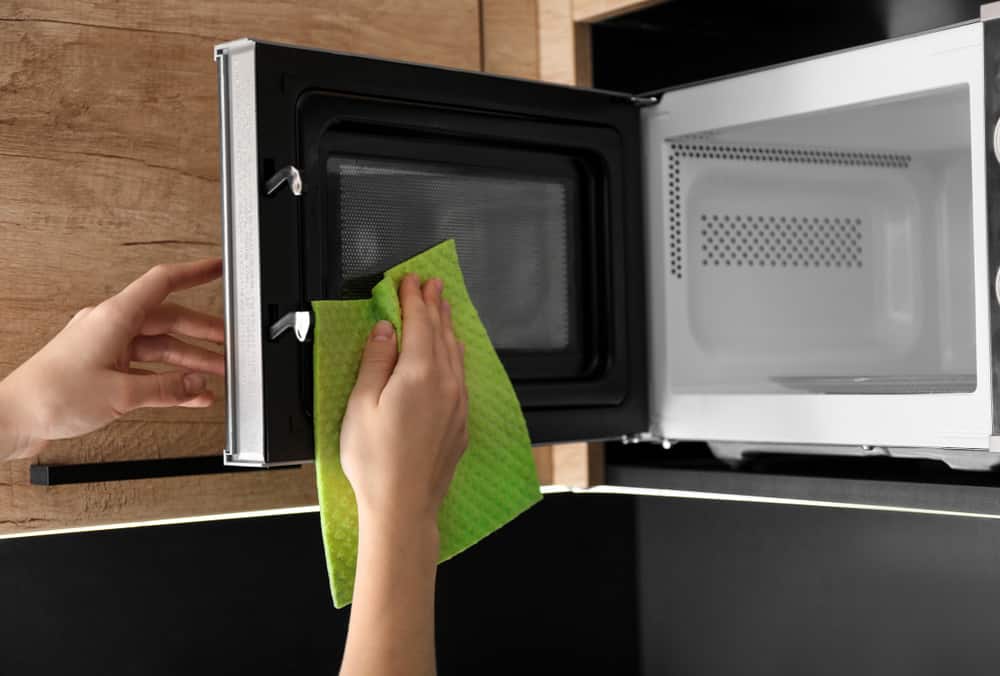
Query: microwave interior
{"x": 826, "y": 253}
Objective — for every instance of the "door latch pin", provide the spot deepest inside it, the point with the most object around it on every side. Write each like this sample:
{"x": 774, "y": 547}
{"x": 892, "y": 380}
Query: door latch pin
{"x": 299, "y": 322}
{"x": 288, "y": 175}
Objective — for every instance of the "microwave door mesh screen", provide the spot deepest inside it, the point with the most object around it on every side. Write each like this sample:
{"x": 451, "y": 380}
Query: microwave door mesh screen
{"x": 510, "y": 231}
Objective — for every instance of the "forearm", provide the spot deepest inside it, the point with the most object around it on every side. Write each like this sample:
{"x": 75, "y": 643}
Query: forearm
{"x": 392, "y": 618}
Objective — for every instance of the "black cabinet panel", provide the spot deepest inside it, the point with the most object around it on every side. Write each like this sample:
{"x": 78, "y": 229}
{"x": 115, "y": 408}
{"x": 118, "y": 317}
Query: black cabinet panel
{"x": 689, "y": 40}
{"x": 552, "y": 592}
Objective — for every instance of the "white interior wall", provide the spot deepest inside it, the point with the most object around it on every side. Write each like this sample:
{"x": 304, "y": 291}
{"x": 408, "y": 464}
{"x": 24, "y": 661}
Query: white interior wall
{"x": 772, "y": 285}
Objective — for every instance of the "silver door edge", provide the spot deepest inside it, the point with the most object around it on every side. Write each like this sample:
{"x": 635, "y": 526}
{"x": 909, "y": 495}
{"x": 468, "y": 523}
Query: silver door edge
{"x": 241, "y": 253}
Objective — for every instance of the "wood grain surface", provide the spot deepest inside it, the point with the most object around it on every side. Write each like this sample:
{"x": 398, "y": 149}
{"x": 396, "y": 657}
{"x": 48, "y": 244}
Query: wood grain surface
{"x": 510, "y": 38}
{"x": 109, "y": 164}
{"x": 563, "y": 45}
{"x": 591, "y": 11}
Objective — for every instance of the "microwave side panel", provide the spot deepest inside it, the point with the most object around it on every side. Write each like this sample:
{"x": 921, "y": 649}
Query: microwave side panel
{"x": 241, "y": 253}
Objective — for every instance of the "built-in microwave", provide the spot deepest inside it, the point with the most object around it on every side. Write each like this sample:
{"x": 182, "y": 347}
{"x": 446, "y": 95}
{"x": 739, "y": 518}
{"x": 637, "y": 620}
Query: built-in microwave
{"x": 802, "y": 258}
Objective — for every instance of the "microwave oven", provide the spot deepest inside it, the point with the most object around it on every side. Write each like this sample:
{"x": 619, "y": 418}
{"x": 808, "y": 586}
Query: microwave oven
{"x": 803, "y": 258}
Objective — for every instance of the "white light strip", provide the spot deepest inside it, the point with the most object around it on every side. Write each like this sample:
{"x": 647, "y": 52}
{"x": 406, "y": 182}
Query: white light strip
{"x": 309, "y": 509}
{"x": 732, "y": 497}
{"x": 165, "y": 522}
{"x": 546, "y": 490}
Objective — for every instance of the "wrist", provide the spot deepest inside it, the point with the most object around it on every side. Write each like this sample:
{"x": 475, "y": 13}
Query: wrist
{"x": 400, "y": 528}
{"x": 17, "y": 439}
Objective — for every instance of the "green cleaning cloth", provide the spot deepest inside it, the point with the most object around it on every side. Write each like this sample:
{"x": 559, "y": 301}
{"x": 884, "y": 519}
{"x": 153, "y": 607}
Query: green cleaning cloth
{"x": 495, "y": 479}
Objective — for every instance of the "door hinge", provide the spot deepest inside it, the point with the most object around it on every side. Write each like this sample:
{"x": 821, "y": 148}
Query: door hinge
{"x": 643, "y": 101}
{"x": 645, "y": 438}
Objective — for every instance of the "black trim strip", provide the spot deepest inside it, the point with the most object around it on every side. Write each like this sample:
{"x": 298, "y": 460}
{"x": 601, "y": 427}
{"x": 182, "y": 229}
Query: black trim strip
{"x": 128, "y": 470}
{"x": 991, "y": 114}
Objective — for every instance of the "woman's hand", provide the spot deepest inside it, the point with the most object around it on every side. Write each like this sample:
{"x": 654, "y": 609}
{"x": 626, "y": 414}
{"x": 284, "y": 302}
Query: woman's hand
{"x": 405, "y": 427}
{"x": 403, "y": 434}
{"x": 83, "y": 378}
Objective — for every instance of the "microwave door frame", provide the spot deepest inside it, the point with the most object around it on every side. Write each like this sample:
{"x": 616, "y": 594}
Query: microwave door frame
{"x": 991, "y": 152}
{"x": 897, "y": 68}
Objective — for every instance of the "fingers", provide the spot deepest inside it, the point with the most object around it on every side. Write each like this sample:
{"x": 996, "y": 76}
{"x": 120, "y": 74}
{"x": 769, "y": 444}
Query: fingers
{"x": 145, "y": 293}
{"x": 431, "y": 293}
{"x": 451, "y": 342}
{"x": 410, "y": 297}
{"x": 432, "y": 353}
{"x": 377, "y": 363}
{"x": 157, "y": 390}
{"x": 201, "y": 401}
{"x": 170, "y": 350}
{"x": 428, "y": 316}
{"x": 416, "y": 334}
{"x": 179, "y": 320}
{"x": 455, "y": 355}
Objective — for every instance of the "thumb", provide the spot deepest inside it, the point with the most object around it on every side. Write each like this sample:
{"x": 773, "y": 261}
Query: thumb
{"x": 377, "y": 362}
{"x": 171, "y": 388}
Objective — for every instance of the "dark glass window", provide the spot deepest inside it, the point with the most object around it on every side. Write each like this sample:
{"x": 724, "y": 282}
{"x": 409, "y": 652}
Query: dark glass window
{"x": 510, "y": 228}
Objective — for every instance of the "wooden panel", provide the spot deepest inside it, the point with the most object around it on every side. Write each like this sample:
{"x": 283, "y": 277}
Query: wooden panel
{"x": 109, "y": 164}
{"x": 579, "y": 464}
{"x": 591, "y": 11}
{"x": 444, "y": 32}
{"x": 543, "y": 463}
{"x": 563, "y": 45}
{"x": 510, "y": 37}
{"x": 139, "y": 437}
{"x": 24, "y": 508}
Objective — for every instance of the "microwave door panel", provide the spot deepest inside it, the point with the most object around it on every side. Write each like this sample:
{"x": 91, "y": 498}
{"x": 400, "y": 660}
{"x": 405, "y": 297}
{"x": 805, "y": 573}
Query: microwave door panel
{"x": 817, "y": 237}
{"x": 538, "y": 184}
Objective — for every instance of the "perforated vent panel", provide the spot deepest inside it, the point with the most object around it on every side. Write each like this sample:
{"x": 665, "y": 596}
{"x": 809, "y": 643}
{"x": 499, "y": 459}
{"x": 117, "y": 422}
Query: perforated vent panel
{"x": 766, "y": 240}
{"x": 676, "y": 255}
{"x": 793, "y": 155}
{"x": 510, "y": 231}
{"x": 780, "y": 241}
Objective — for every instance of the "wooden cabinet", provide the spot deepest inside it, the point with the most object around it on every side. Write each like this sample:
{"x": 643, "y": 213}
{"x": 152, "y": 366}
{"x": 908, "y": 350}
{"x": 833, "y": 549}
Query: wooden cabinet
{"x": 109, "y": 146}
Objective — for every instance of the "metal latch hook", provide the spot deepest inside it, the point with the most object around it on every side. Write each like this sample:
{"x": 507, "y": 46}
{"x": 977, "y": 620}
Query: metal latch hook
{"x": 299, "y": 322}
{"x": 288, "y": 175}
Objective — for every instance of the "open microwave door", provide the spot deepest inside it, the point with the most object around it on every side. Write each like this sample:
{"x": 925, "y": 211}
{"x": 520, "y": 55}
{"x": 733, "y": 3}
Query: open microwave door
{"x": 825, "y": 229}
{"x": 337, "y": 167}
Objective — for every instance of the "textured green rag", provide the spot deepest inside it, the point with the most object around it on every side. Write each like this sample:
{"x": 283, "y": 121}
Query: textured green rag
{"x": 495, "y": 479}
